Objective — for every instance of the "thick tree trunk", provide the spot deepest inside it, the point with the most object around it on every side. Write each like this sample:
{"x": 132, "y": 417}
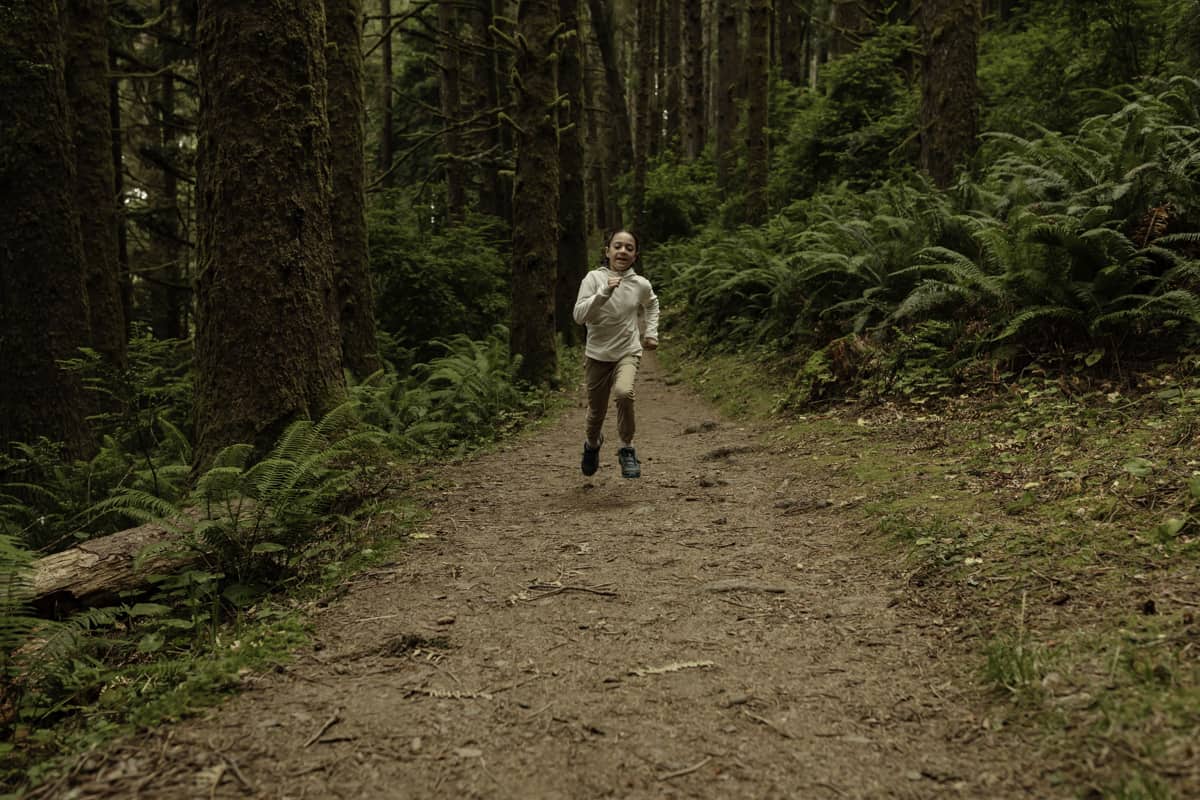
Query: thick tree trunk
{"x": 643, "y": 105}
{"x": 267, "y": 340}
{"x": 356, "y": 299}
{"x": 117, "y": 156}
{"x": 456, "y": 179}
{"x": 572, "y": 212}
{"x": 728, "y": 81}
{"x": 95, "y": 184}
{"x": 949, "y": 90}
{"x": 692, "y": 113}
{"x": 535, "y": 194}
{"x": 43, "y": 307}
{"x": 757, "y": 76}
{"x": 387, "y": 135}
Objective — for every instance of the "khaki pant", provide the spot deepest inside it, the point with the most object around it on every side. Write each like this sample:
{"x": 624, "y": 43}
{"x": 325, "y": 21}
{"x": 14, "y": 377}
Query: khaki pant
{"x": 614, "y": 378}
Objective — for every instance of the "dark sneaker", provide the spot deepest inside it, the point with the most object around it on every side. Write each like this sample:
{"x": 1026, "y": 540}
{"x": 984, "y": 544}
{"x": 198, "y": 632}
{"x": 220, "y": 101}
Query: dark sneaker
{"x": 630, "y": 466}
{"x": 591, "y": 458}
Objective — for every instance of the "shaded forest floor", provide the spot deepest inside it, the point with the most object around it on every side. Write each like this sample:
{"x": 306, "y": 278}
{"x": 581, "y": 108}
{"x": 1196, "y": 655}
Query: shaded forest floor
{"x": 761, "y": 615}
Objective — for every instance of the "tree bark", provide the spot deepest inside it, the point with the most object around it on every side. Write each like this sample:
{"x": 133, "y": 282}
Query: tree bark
{"x": 757, "y": 71}
{"x": 643, "y": 105}
{"x": 456, "y": 191}
{"x": 793, "y": 21}
{"x": 43, "y": 306}
{"x": 483, "y": 93}
{"x": 692, "y": 114}
{"x": 949, "y": 90}
{"x": 535, "y": 193}
{"x": 572, "y": 212}
{"x": 267, "y": 339}
{"x": 728, "y": 81}
{"x": 672, "y": 74}
{"x": 614, "y": 80}
{"x": 95, "y": 184}
{"x": 387, "y": 135}
{"x": 356, "y": 298}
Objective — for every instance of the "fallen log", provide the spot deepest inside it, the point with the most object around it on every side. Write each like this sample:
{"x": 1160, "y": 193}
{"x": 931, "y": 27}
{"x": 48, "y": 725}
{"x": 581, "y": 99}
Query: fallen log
{"x": 99, "y": 570}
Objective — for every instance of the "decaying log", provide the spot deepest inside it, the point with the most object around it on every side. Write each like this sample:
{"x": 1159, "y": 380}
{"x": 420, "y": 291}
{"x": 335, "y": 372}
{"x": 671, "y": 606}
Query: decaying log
{"x": 99, "y": 569}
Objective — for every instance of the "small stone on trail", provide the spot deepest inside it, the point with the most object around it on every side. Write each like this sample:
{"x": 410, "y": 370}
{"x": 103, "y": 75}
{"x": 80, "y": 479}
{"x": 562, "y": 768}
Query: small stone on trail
{"x": 415, "y": 744}
{"x": 446, "y": 620}
{"x": 468, "y": 752}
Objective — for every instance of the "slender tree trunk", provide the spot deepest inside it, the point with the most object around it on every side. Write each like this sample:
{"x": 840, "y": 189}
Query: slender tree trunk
{"x": 117, "y": 157}
{"x": 347, "y": 104}
{"x": 949, "y": 90}
{"x": 793, "y": 22}
{"x": 572, "y": 211}
{"x": 95, "y": 184}
{"x": 535, "y": 194}
{"x": 601, "y": 11}
{"x": 692, "y": 114}
{"x": 43, "y": 305}
{"x": 267, "y": 340}
{"x": 757, "y": 76}
{"x": 643, "y": 105}
{"x": 387, "y": 143}
{"x": 728, "y": 80}
{"x": 482, "y": 94}
{"x": 456, "y": 179}
{"x": 672, "y": 22}
{"x": 598, "y": 136}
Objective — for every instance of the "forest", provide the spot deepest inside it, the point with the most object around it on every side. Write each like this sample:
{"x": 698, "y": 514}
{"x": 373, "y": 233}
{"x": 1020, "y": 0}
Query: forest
{"x": 265, "y": 268}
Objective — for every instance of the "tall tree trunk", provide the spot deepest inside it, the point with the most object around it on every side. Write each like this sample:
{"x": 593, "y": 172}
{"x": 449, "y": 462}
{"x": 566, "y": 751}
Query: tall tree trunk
{"x": 673, "y": 74}
{"x": 728, "y": 80}
{"x": 572, "y": 212}
{"x": 602, "y": 21}
{"x": 535, "y": 193}
{"x": 387, "y": 143}
{"x": 456, "y": 179}
{"x": 267, "y": 340}
{"x": 949, "y": 90}
{"x": 643, "y": 105}
{"x": 692, "y": 114}
{"x": 482, "y": 93}
{"x": 117, "y": 157}
{"x": 95, "y": 184}
{"x": 170, "y": 287}
{"x": 43, "y": 306}
{"x": 757, "y": 76}
{"x": 792, "y": 19}
{"x": 599, "y": 140}
{"x": 356, "y": 299}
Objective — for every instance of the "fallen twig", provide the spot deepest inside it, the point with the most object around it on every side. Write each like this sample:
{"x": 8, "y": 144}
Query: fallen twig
{"x": 644, "y": 671}
{"x": 768, "y": 723}
{"x": 448, "y": 694}
{"x": 548, "y": 589}
{"x": 329, "y": 723}
{"x": 685, "y": 771}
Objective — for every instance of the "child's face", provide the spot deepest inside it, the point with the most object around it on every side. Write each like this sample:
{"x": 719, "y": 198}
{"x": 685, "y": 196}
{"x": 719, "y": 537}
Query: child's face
{"x": 622, "y": 251}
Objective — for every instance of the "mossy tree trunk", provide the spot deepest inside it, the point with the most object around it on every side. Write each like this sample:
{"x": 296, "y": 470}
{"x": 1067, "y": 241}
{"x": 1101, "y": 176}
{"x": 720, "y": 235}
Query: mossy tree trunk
{"x": 758, "y": 54}
{"x": 643, "y": 106}
{"x": 692, "y": 114}
{"x": 456, "y": 179}
{"x": 614, "y": 80}
{"x": 793, "y": 20}
{"x": 482, "y": 93}
{"x": 95, "y": 183}
{"x": 729, "y": 78}
{"x": 572, "y": 212}
{"x": 672, "y": 23}
{"x": 387, "y": 134}
{"x": 356, "y": 299}
{"x": 267, "y": 339}
{"x": 535, "y": 192}
{"x": 43, "y": 307}
{"x": 949, "y": 88}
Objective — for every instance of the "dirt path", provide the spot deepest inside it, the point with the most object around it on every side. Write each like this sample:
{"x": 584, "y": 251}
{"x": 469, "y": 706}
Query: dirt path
{"x": 717, "y": 629}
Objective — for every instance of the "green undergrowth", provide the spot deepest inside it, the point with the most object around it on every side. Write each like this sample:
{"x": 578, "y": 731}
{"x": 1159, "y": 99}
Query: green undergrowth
{"x": 1056, "y": 520}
